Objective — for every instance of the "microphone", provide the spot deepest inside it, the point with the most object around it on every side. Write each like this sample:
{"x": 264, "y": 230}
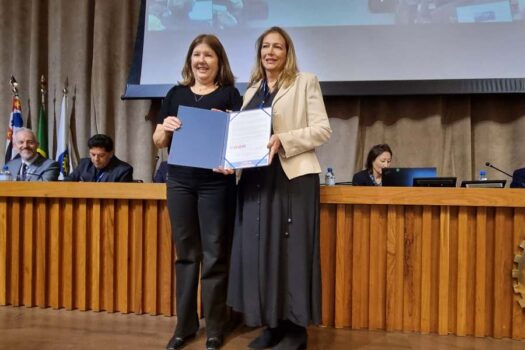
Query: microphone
{"x": 501, "y": 171}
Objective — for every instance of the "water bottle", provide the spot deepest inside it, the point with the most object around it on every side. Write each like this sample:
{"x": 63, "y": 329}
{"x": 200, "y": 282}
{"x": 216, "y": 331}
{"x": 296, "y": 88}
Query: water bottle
{"x": 329, "y": 178}
{"x": 482, "y": 175}
{"x": 5, "y": 174}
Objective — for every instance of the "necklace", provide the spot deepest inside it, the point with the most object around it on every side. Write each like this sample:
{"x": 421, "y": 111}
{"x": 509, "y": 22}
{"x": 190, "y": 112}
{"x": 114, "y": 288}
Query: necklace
{"x": 202, "y": 92}
{"x": 197, "y": 99}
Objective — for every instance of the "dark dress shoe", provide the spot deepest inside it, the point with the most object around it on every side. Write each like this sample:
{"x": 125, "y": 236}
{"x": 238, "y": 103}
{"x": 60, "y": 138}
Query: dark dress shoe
{"x": 268, "y": 339}
{"x": 294, "y": 339}
{"x": 213, "y": 343}
{"x": 178, "y": 342}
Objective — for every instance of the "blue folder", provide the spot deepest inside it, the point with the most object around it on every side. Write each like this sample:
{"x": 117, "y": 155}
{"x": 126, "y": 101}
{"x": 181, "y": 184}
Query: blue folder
{"x": 199, "y": 142}
{"x": 202, "y": 139}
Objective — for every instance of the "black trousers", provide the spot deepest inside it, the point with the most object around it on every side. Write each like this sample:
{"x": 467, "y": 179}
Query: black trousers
{"x": 201, "y": 211}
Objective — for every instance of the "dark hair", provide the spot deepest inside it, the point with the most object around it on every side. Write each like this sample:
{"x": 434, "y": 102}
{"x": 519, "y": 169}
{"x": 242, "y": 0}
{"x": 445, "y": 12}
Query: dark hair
{"x": 375, "y": 152}
{"x": 224, "y": 75}
{"x": 101, "y": 141}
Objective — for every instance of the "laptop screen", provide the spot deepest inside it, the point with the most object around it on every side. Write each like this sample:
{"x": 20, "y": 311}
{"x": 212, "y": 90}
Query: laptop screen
{"x": 405, "y": 176}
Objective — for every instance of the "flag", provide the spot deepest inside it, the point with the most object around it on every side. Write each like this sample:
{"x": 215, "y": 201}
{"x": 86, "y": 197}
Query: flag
{"x": 41, "y": 132}
{"x": 73, "y": 144}
{"x": 15, "y": 122}
{"x": 62, "y": 156}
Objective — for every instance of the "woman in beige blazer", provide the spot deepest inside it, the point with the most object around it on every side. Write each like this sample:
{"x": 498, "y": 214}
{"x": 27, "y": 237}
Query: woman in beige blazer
{"x": 275, "y": 271}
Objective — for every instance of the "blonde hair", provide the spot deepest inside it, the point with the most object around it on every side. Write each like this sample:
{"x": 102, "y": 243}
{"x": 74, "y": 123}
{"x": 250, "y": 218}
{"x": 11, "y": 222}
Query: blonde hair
{"x": 290, "y": 70}
{"x": 224, "y": 75}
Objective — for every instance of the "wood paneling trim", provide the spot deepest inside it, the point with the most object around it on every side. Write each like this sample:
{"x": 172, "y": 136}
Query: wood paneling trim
{"x": 484, "y": 197}
{"x": 143, "y": 191}
{"x": 328, "y": 262}
{"x": 343, "y": 268}
{"x": 3, "y": 251}
{"x": 404, "y": 267}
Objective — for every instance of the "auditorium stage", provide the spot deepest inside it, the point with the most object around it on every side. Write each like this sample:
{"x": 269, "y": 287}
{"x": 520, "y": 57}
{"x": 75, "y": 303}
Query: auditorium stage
{"x": 24, "y": 328}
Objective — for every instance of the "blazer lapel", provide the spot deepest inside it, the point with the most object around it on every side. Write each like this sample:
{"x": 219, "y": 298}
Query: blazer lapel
{"x": 282, "y": 91}
{"x": 34, "y": 168}
{"x": 250, "y": 92}
{"x": 16, "y": 168}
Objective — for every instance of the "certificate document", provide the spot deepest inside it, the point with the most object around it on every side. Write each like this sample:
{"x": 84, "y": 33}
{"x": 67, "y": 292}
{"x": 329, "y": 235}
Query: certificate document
{"x": 209, "y": 139}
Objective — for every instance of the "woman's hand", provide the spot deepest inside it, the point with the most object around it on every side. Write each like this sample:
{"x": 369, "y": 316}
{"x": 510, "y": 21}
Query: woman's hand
{"x": 273, "y": 145}
{"x": 171, "y": 123}
{"x": 223, "y": 170}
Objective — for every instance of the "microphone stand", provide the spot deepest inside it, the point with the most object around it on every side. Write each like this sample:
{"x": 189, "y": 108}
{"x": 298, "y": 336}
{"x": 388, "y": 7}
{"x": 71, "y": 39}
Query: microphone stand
{"x": 501, "y": 171}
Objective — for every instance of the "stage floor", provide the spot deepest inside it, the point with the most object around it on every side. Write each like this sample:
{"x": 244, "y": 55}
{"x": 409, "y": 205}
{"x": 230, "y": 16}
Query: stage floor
{"x": 24, "y": 328}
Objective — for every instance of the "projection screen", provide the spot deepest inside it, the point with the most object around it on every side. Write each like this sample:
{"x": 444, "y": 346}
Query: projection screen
{"x": 355, "y": 47}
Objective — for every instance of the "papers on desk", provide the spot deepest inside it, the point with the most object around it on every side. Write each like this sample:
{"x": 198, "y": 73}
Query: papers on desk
{"x": 209, "y": 139}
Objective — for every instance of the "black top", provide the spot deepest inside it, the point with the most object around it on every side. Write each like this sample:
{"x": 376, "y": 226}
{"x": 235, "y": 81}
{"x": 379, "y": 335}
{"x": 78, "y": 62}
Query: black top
{"x": 224, "y": 98}
{"x": 263, "y": 97}
{"x": 116, "y": 171}
{"x": 363, "y": 178}
{"x": 518, "y": 178}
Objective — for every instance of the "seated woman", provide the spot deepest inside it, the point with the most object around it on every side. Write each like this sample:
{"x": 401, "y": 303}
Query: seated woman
{"x": 379, "y": 157}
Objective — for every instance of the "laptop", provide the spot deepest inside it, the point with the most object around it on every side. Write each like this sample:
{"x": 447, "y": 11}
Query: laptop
{"x": 405, "y": 176}
{"x": 435, "y": 181}
{"x": 484, "y": 184}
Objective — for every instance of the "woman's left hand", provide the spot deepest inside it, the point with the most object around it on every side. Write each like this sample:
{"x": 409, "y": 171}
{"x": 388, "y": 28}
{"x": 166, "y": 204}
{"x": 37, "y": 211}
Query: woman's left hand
{"x": 223, "y": 170}
{"x": 274, "y": 144}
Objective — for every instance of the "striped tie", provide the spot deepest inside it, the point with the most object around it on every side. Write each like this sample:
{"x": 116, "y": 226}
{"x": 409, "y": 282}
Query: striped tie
{"x": 23, "y": 176}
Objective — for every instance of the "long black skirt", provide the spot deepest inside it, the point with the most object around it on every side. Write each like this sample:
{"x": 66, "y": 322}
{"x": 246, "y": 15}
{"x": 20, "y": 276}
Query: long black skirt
{"x": 275, "y": 269}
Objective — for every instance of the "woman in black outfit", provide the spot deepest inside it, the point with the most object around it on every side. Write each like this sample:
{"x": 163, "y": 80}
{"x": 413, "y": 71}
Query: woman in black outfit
{"x": 379, "y": 157}
{"x": 200, "y": 201}
{"x": 275, "y": 267}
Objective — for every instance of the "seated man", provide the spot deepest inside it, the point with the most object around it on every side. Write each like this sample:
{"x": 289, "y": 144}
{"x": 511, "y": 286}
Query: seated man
{"x": 102, "y": 165}
{"x": 518, "y": 178}
{"x": 30, "y": 165}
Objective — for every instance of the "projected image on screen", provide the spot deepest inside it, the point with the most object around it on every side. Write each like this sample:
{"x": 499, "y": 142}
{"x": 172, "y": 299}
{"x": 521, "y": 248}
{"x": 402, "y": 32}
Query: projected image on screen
{"x": 221, "y": 14}
{"x": 347, "y": 41}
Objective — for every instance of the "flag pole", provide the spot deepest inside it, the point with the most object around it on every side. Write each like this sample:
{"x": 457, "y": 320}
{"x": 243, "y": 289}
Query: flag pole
{"x": 43, "y": 90}
{"x": 42, "y": 125}
{"x": 62, "y": 155}
{"x": 14, "y": 86}
{"x": 66, "y": 83}
{"x": 15, "y": 120}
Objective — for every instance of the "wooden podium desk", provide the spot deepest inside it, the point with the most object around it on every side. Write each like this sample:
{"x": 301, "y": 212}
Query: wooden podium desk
{"x": 86, "y": 246}
{"x": 428, "y": 260}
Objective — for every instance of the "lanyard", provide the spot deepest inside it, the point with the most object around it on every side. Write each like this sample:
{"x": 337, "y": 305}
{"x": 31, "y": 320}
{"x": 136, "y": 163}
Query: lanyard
{"x": 266, "y": 93}
{"x": 99, "y": 176}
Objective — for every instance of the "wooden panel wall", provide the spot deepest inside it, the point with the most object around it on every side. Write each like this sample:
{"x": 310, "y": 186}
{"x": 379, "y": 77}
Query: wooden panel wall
{"x": 110, "y": 255}
{"x": 427, "y": 269}
{"x": 422, "y": 260}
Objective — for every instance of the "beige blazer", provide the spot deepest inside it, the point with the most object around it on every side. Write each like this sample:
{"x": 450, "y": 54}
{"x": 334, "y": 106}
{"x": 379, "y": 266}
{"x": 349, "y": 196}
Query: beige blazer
{"x": 300, "y": 121}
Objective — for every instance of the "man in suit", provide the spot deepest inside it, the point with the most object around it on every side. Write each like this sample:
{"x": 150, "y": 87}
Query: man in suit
{"x": 518, "y": 178}
{"x": 102, "y": 164}
{"x": 30, "y": 165}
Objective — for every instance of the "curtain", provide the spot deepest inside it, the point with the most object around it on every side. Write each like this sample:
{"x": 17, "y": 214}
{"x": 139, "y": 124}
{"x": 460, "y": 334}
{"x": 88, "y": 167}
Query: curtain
{"x": 90, "y": 42}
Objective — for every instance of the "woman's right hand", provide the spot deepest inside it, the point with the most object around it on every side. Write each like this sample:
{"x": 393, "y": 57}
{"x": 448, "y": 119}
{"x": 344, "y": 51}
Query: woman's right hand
{"x": 171, "y": 123}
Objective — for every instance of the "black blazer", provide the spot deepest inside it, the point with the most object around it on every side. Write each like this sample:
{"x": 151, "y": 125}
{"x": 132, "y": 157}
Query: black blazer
{"x": 116, "y": 171}
{"x": 362, "y": 178}
{"x": 518, "y": 178}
